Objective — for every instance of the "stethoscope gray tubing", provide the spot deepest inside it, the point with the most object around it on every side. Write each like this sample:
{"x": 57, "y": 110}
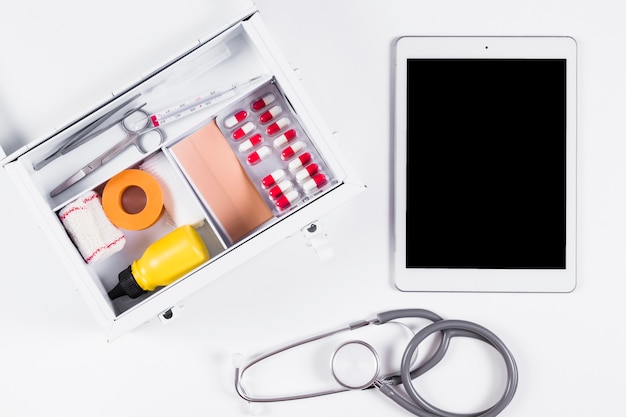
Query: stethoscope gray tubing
{"x": 450, "y": 328}
{"x": 418, "y": 406}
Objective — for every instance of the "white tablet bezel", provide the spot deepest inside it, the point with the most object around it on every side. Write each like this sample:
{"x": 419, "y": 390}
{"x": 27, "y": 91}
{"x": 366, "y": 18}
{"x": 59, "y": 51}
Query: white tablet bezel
{"x": 482, "y": 280}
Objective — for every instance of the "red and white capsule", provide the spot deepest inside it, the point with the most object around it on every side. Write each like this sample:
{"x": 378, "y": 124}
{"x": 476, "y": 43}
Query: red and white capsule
{"x": 314, "y": 183}
{"x": 273, "y": 178}
{"x": 307, "y": 172}
{"x": 250, "y": 143}
{"x": 287, "y": 199}
{"x": 299, "y": 162}
{"x": 263, "y": 101}
{"x": 233, "y": 119}
{"x": 243, "y": 131}
{"x": 270, "y": 114}
{"x": 285, "y": 138}
{"x": 259, "y": 155}
{"x": 275, "y": 127}
{"x": 290, "y": 151}
{"x": 280, "y": 189}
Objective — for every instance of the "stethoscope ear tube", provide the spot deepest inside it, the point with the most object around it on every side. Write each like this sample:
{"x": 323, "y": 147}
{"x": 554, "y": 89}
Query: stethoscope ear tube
{"x": 449, "y": 329}
{"x": 387, "y": 316}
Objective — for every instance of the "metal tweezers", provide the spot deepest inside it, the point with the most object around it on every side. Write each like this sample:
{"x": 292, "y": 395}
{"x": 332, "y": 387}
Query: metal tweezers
{"x": 83, "y": 135}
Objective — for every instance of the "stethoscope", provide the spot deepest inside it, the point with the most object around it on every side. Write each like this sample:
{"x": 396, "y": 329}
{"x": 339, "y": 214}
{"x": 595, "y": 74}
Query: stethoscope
{"x": 367, "y": 356}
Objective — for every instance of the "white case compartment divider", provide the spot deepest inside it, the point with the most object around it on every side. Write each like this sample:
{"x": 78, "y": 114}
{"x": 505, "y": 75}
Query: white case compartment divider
{"x": 238, "y": 53}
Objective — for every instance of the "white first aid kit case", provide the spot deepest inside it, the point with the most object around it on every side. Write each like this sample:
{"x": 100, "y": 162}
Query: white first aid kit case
{"x": 220, "y": 139}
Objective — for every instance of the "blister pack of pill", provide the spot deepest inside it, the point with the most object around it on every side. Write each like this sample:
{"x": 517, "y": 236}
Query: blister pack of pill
{"x": 277, "y": 154}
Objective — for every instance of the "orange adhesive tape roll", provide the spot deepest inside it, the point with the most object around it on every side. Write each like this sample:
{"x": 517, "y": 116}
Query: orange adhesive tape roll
{"x": 113, "y": 200}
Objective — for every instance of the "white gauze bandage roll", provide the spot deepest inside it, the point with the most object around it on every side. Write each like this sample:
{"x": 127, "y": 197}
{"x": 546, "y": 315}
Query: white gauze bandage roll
{"x": 95, "y": 237}
{"x": 178, "y": 201}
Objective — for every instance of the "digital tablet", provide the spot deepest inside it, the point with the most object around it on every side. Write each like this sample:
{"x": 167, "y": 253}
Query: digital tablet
{"x": 485, "y": 164}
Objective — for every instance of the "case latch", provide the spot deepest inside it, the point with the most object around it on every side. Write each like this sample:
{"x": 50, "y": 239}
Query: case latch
{"x": 170, "y": 314}
{"x": 318, "y": 240}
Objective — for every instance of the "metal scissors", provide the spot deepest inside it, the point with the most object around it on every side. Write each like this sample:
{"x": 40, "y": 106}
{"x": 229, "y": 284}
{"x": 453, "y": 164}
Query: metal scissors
{"x": 136, "y": 124}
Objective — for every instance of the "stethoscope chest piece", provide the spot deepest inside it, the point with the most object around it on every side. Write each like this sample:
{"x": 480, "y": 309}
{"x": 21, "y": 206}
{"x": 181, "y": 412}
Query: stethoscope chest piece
{"x": 355, "y": 365}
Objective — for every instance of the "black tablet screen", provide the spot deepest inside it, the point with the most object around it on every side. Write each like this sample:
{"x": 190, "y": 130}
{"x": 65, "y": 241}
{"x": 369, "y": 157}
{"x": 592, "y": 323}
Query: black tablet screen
{"x": 486, "y": 173}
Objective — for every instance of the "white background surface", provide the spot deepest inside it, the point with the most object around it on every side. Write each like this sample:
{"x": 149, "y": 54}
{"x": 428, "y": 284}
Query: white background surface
{"x": 59, "y": 58}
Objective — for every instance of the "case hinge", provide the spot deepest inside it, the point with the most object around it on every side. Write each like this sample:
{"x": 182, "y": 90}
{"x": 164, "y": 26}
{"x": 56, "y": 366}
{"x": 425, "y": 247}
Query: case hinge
{"x": 319, "y": 241}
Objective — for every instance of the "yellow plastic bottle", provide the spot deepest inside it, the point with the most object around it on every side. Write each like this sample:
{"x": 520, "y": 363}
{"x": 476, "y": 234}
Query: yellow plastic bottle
{"x": 163, "y": 262}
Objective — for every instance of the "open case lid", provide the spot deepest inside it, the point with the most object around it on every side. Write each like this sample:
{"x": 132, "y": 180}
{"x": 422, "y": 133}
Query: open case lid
{"x": 45, "y": 87}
